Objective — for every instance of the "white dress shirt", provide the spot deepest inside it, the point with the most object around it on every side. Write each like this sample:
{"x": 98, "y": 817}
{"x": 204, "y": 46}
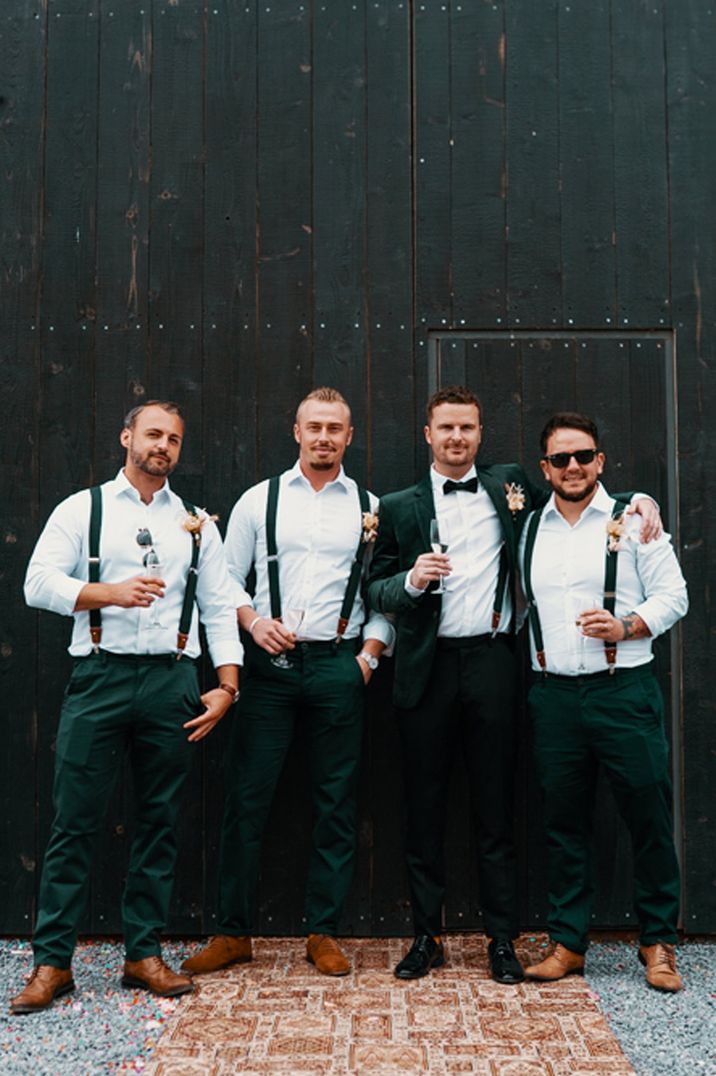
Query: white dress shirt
{"x": 58, "y": 570}
{"x": 317, "y": 534}
{"x": 568, "y": 578}
{"x": 474, "y": 547}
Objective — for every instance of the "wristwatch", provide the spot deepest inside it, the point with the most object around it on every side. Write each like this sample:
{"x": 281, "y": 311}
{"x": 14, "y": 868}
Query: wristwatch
{"x": 370, "y": 660}
{"x": 230, "y": 690}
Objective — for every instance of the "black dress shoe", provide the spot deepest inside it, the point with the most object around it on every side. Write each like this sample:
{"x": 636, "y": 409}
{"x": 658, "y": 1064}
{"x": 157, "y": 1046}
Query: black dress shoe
{"x": 424, "y": 954}
{"x": 504, "y": 965}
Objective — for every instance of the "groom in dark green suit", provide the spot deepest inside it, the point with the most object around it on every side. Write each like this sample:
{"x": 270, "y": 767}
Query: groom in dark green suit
{"x": 455, "y": 670}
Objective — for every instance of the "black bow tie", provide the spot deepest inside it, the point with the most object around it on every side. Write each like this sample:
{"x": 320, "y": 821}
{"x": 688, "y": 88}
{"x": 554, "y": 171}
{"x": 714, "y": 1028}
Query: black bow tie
{"x": 452, "y": 487}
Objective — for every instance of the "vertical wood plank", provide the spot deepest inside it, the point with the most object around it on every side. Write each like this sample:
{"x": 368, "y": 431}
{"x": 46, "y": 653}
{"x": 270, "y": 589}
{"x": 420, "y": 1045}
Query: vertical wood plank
{"x": 339, "y": 213}
{"x": 586, "y": 166}
{"x": 285, "y": 335}
{"x": 22, "y": 68}
{"x": 68, "y": 317}
{"x": 534, "y": 270}
{"x": 479, "y": 179}
{"x": 642, "y": 245}
{"x": 690, "y": 45}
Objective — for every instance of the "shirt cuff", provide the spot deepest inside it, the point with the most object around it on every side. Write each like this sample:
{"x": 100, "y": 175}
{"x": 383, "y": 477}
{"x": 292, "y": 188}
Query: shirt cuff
{"x": 228, "y": 652}
{"x": 414, "y": 592}
{"x": 62, "y": 598}
{"x": 377, "y": 627}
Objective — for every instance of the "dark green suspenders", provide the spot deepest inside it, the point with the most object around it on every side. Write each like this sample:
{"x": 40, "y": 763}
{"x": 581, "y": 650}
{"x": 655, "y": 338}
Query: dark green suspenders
{"x": 610, "y": 587}
{"x": 95, "y": 616}
{"x": 500, "y": 592}
{"x": 272, "y": 559}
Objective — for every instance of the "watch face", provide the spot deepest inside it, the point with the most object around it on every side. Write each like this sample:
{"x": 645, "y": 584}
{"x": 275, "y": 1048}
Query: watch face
{"x": 370, "y": 661}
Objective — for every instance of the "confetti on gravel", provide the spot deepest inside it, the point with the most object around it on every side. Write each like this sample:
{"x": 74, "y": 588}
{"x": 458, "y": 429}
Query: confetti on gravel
{"x": 661, "y": 1034}
{"x": 99, "y": 1028}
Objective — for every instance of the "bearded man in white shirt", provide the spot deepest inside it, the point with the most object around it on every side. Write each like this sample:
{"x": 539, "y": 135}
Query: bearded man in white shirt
{"x": 306, "y": 533}
{"x": 597, "y": 597}
{"x": 134, "y": 687}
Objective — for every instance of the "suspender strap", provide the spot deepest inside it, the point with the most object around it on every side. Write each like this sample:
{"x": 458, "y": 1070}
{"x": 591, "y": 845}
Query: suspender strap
{"x": 95, "y": 529}
{"x": 532, "y": 612}
{"x": 271, "y": 551}
{"x": 610, "y": 586}
{"x": 500, "y": 592}
{"x": 356, "y": 571}
{"x": 190, "y": 592}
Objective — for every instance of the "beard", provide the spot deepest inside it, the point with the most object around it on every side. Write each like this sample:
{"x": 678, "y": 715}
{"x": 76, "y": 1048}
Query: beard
{"x": 152, "y": 464}
{"x": 575, "y": 498}
{"x": 321, "y": 466}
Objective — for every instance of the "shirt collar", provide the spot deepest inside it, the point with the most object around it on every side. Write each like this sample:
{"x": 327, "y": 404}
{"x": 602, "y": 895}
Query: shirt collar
{"x": 601, "y": 503}
{"x": 438, "y": 480}
{"x": 295, "y": 474}
{"x": 121, "y": 486}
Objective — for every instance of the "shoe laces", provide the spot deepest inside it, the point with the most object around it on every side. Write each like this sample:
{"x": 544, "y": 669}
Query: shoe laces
{"x": 664, "y": 954}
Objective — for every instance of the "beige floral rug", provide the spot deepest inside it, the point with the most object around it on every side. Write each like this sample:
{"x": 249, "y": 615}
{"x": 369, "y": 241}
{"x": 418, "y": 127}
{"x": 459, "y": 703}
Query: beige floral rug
{"x": 279, "y": 1015}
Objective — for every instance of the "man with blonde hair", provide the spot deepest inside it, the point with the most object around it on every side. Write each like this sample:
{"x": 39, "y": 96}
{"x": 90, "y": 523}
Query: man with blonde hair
{"x": 306, "y": 533}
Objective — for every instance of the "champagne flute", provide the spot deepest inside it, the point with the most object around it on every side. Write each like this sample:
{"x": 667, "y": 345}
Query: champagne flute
{"x": 584, "y": 603}
{"x": 439, "y": 541}
{"x": 153, "y": 570}
{"x": 291, "y": 620}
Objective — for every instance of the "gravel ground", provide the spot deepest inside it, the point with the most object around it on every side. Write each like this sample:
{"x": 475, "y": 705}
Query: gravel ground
{"x": 661, "y": 1034}
{"x": 101, "y": 1028}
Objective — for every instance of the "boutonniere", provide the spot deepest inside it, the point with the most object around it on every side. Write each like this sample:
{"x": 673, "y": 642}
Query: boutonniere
{"x": 616, "y": 527}
{"x": 370, "y": 527}
{"x": 515, "y": 497}
{"x": 193, "y": 522}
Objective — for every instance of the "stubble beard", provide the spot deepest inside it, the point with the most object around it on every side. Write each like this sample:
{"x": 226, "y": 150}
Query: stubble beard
{"x": 575, "y": 498}
{"x": 151, "y": 466}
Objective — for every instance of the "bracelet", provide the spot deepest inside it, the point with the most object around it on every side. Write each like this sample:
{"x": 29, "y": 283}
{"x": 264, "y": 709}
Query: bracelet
{"x": 231, "y": 690}
{"x": 253, "y": 624}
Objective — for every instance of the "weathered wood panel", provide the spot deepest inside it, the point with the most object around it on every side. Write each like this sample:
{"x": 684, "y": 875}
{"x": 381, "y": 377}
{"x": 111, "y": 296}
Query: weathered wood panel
{"x": 229, "y": 203}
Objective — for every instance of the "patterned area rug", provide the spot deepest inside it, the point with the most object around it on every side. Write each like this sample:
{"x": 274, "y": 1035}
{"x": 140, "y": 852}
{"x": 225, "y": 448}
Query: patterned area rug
{"x": 279, "y": 1015}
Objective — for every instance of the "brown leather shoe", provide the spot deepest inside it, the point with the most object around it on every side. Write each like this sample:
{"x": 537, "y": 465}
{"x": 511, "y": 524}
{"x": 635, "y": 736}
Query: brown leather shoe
{"x": 660, "y": 963}
{"x": 221, "y": 951}
{"x": 153, "y": 974}
{"x": 44, "y": 985}
{"x": 559, "y": 963}
{"x": 325, "y": 952}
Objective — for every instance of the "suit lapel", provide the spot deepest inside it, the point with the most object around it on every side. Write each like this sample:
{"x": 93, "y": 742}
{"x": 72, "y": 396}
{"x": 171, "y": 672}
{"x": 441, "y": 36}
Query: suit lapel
{"x": 496, "y": 492}
{"x": 424, "y": 509}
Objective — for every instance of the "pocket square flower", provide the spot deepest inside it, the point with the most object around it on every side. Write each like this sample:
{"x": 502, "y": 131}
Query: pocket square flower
{"x": 370, "y": 527}
{"x": 515, "y": 497}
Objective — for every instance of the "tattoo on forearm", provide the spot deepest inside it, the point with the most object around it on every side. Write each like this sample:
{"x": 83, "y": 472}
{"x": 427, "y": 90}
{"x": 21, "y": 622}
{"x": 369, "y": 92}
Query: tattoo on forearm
{"x": 634, "y": 627}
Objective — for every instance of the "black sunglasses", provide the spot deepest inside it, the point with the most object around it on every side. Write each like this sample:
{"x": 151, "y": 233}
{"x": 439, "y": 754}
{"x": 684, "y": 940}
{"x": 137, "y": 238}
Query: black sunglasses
{"x": 561, "y": 459}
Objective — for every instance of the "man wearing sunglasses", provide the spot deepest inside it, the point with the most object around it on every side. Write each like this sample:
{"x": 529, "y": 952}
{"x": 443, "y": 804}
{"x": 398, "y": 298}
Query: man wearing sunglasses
{"x": 133, "y": 689}
{"x": 597, "y": 597}
{"x": 456, "y": 674}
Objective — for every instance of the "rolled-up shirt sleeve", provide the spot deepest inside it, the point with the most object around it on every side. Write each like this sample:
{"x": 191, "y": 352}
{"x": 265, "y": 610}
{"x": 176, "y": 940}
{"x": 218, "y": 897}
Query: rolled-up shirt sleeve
{"x": 214, "y": 596}
{"x": 58, "y": 569}
{"x": 666, "y": 599}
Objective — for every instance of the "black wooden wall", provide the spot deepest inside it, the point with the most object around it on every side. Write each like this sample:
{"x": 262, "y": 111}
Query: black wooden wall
{"x": 229, "y": 202}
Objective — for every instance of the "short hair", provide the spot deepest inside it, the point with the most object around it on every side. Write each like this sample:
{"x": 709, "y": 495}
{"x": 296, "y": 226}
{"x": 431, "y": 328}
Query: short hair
{"x": 455, "y": 394}
{"x": 166, "y": 405}
{"x": 568, "y": 420}
{"x": 324, "y": 394}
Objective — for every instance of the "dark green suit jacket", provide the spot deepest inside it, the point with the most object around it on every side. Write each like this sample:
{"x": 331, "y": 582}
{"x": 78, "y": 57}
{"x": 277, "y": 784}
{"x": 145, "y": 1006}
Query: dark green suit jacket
{"x": 403, "y": 534}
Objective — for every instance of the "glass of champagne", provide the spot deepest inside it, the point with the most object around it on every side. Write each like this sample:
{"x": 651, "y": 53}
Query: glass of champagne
{"x": 291, "y": 620}
{"x": 584, "y": 603}
{"x": 439, "y": 541}
{"x": 153, "y": 570}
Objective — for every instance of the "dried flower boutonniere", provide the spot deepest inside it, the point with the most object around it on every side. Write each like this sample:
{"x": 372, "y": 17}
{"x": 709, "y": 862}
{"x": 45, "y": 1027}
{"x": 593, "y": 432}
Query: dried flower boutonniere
{"x": 616, "y": 528}
{"x": 515, "y": 497}
{"x": 370, "y": 527}
{"x": 193, "y": 522}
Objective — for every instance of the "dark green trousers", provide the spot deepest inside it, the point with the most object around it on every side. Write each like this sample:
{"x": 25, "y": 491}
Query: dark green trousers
{"x": 324, "y": 687}
{"x": 111, "y": 706}
{"x": 581, "y": 723}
